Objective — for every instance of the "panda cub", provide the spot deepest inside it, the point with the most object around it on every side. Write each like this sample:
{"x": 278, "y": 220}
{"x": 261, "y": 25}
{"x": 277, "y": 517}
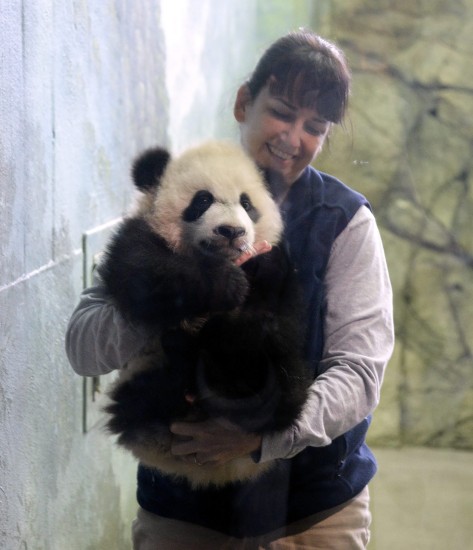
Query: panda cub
{"x": 226, "y": 335}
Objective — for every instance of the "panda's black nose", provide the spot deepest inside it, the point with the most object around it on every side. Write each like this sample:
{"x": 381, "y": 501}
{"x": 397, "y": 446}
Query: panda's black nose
{"x": 230, "y": 232}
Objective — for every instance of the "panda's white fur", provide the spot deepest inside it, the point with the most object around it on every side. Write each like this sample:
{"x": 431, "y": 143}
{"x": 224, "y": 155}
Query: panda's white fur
{"x": 226, "y": 172}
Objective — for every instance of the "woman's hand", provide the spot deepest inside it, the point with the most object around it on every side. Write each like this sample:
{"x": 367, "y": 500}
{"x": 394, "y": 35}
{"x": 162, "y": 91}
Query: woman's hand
{"x": 258, "y": 248}
{"x": 214, "y": 441}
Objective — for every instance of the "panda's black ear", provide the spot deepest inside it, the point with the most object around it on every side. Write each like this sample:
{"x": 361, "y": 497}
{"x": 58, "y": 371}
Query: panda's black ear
{"x": 149, "y": 167}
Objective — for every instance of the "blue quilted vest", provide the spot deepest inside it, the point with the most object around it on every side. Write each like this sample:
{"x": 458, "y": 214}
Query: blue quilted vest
{"x": 316, "y": 211}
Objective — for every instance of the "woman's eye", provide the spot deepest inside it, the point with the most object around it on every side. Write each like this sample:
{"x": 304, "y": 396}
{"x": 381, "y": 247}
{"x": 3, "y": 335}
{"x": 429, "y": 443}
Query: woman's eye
{"x": 315, "y": 130}
{"x": 280, "y": 114}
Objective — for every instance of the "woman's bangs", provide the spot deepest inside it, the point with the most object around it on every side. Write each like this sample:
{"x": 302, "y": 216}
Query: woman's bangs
{"x": 299, "y": 87}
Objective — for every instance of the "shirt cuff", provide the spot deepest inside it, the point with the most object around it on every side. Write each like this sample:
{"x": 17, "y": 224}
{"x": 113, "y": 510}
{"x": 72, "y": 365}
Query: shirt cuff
{"x": 277, "y": 445}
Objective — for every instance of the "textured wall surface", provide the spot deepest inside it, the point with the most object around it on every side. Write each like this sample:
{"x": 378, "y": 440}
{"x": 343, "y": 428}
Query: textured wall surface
{"x": 409, "y": 149}
{"x": 81, "y": 90}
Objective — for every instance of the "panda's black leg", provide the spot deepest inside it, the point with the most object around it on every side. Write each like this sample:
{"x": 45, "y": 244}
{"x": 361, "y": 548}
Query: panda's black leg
{"x": 251, "y": 370}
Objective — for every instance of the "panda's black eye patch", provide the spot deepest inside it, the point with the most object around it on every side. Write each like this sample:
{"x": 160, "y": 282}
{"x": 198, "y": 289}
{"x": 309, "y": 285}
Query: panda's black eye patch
{"x": 246, "y": 203}
{"x": 199, "y": 204}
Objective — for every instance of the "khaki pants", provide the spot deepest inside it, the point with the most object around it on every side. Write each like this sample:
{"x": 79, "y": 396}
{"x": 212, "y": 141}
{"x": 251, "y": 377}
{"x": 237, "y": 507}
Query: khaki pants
{"x": 345, "y": 527}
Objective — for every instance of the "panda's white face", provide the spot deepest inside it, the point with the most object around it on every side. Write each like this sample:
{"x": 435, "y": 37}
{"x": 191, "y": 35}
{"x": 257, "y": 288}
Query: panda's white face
{"x": 214, "y": 198}
{"x": 232, "y": 224}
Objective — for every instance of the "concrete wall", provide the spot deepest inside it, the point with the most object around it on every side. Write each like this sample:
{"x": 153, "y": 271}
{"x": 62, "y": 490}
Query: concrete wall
{"x": 83, "y": 87}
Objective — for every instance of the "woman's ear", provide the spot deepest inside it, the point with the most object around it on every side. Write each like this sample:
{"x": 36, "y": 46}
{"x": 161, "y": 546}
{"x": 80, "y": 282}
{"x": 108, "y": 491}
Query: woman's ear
{"x": 243, "y": 99}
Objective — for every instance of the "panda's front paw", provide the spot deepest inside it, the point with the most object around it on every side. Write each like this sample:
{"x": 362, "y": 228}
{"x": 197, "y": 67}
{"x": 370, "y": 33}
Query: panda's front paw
{"x": 229, "y": 288}
{"x": 271, "y": 267}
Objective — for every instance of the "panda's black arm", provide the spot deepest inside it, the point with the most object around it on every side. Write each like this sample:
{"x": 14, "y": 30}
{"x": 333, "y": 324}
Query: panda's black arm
{"x": 152, "y": 284}
{"x": 274, "y": 285}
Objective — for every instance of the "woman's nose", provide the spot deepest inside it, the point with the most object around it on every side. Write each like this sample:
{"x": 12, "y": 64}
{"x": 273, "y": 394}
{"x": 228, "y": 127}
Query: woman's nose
{"x": 293, "y": 135}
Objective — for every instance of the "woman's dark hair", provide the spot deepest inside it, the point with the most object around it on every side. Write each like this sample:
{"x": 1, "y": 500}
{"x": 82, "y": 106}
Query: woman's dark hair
{"x": 309, "y": 70}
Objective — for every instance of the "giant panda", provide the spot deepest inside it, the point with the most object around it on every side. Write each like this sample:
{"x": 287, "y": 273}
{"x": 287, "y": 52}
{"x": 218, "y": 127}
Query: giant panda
{"x": 229, "y": 336}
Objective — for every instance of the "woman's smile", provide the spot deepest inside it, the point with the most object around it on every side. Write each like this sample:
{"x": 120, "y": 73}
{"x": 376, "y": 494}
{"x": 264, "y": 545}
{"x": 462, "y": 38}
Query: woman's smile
{"x": 279, "y": 153}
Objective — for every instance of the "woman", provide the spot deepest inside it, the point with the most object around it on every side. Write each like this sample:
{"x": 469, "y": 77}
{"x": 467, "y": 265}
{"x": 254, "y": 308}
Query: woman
{"x": 317, "y": 495}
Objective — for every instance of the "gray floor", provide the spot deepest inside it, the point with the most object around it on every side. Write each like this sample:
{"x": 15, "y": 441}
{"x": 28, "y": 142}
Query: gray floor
{"x": 422, "y": 499}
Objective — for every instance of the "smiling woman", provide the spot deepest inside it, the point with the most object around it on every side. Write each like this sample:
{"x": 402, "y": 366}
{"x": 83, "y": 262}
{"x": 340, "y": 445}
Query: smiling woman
{"x": 299, "y": 87}
{"x": 278, "y": 134}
